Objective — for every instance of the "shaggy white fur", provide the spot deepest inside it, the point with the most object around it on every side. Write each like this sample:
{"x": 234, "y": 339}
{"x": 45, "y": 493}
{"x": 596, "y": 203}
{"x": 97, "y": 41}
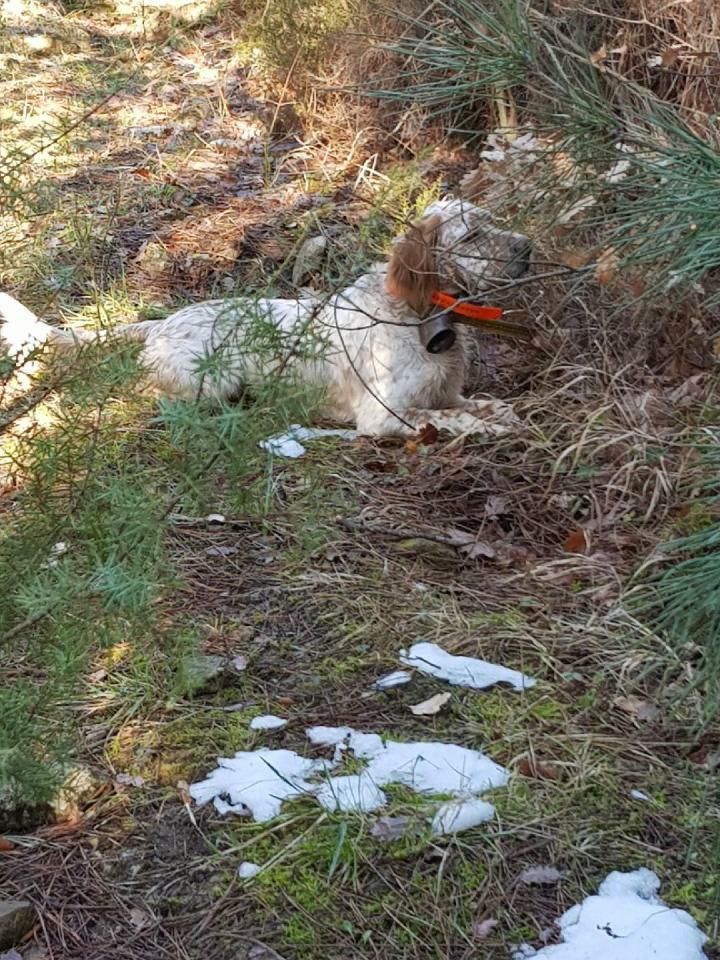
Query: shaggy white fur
{"x": 373, "y": 367}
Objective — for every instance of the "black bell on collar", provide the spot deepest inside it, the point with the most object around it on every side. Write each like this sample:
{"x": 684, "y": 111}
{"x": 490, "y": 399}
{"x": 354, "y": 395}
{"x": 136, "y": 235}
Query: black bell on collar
{"x": 437, "y": 333}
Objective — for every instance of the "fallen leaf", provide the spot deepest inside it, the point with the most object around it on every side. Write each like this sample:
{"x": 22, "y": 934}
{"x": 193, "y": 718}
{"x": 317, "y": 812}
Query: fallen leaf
{"x": 428, "y": 435}
{"x": 411, "y": 446}
{"x": 221, "y": 551}
{"x": 607, "y": 266}
{"x": 261, "y": 951}
{"x": 640, "y": 709}
{"x": 468, "y": 544}
{"x": 139, "y": 918}
{"x": 6, "y": 845}
{"x": 127, "y": 780}
{"x": 482, "y": 929}
{"x": 183, "y": 791}
{"x": 429, "y": 708}
{"x": 530, "y": 767}
{"x": 576, "y": 542}
{"x": 670, "y": 56}
{"x": 478, "y": 549}
{"x": 142, "y": 172}
{"x": 239, "y": 663}
{"x": 389, "y": 828}
{"x": 496, "y": 506}
{"x": 574, "y": 259}
{"x": 97, "y": 676}
{"x": 540, "y": 876}
{"x": 459, "y": 538}
{"x": 599, "y": 55}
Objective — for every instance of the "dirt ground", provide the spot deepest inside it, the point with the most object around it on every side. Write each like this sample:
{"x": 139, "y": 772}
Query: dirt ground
{"x": 187, "y": 183}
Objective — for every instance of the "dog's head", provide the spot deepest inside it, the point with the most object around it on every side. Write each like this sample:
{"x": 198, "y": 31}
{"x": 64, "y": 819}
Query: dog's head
{"x": 455, "y": 247}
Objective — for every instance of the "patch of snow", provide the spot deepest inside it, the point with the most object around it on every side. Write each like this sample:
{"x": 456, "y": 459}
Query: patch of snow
{"x": 394, "y": 679}
{"x": 247, "y": 870}
{"x": 626, "y": 920}
{"x": 267, "y": 722}
{"x": 427, "y": 767}
{"x": 355, "y": 792}
{"x": 257, "y": 781}
{"x": 453, "y": 817}
{"x": 461, "y": 671}
{"x": 290, "y": 443}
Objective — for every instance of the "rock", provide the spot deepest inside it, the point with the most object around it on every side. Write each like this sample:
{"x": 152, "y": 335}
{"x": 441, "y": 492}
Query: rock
{"x": 309, "y": 258}
{"x": 17, "y": 918}
{"x": 205, "y": 673}
{"x": 201, "y": 671}
{"x": 78, "y": 788}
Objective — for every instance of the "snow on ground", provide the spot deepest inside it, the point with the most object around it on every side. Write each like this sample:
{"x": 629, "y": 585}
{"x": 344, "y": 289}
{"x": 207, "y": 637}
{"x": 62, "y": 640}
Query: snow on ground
{"x": 290, "y": 443}
{"x": 258, "y": 782}
{"x": 626, "y": 920}
{"x": 461, "y": 671}
{"x": 395, "y": 679}
{"x": 267, "y": 722}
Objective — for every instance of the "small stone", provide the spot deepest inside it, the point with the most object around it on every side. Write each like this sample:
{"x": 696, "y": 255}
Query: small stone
{"x": 17, "y": 918}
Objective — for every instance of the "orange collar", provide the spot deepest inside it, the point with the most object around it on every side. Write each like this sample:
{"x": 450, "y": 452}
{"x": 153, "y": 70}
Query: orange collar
{"x": 472, "y": 311}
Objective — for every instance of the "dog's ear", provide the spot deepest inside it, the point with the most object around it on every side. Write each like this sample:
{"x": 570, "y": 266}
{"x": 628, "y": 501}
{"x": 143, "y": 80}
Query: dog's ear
{"x": 412, "y": 272}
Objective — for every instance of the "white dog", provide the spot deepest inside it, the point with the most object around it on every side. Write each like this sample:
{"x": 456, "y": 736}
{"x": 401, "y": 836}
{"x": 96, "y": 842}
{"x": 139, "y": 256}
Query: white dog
{"x": 374, "y": 368}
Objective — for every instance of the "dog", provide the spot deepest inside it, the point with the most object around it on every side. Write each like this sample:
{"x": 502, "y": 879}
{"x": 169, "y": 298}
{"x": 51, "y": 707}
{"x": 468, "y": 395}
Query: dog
{"x": 371, "y": 364}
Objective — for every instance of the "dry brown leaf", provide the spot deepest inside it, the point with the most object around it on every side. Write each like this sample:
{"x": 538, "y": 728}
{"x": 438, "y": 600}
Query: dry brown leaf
{"x": 576, "y": 542}
{"x": 537, "y": 769}
{"x": 6, "y": 845}
{"x": 599, "y": 55}
{"x": 607, "y": 266}
{"x": 574, "y": 258}
{"x": 428, "y": 435}
{"x": 183, "y": 791}
{"x": 670, "y": 56}
{"x": 642, "y": 710}
{"x": 429, "y": 708}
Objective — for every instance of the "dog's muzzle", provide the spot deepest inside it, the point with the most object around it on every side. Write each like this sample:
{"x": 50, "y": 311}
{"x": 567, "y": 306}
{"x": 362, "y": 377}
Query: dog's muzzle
{"x": 437, "y": 333}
